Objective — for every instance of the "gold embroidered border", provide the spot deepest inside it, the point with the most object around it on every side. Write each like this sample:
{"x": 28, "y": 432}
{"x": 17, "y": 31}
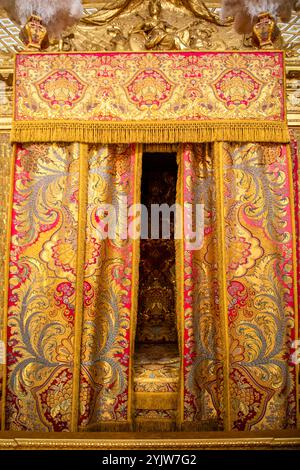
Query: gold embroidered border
{"x": 179, "y": 272}
{"x": 135, "y": 278}
{"x": 6, "y": 280}
{"x": 295, "y": 273}
{"x": 81, "y": 241}
{"x": 221, "y": 256}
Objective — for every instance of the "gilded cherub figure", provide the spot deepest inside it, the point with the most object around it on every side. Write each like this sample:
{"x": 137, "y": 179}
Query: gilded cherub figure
{"x": 158, "y": 33}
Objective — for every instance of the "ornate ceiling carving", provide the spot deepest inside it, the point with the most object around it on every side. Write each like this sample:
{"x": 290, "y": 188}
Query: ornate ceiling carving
{"x": 121, "y": 24}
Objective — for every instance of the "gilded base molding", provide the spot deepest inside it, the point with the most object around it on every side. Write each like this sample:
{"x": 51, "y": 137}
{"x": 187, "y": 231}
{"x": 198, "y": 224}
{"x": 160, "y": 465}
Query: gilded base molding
{"x": 157, "y": 441}
{"x": 201, "y": 38}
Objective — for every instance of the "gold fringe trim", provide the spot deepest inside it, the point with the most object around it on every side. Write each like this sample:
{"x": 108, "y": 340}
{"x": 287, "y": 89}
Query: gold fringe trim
{"x": 155, "y": 400}
{"x": 6, "y": 281}
{"x": 179, "y": 274}
{"x": 108, "y": 426}
{"x": 159, "y": 425}
{"x": 81, "y": 238}
{"x": 135, "y": 277}
{"x": 221, "y": 257}
{"x": 150, "y": 131}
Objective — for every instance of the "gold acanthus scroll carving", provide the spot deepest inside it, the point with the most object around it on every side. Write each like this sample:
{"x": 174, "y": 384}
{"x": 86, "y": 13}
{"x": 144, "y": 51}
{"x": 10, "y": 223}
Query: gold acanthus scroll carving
{"x": 135, "y": 25}
{"x": 157, "y": 34}
{"x": 107, "y": 12}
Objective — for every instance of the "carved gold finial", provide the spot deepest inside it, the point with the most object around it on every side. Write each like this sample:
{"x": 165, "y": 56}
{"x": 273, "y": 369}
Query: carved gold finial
{"x": 34, "y": 33}
{"x": 264, "y": 30}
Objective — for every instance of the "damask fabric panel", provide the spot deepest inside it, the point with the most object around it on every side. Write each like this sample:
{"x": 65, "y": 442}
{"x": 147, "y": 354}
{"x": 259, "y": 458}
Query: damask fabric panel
{"x": 40, "y": 324}
{"x": 261, "y": 276}
{"x": 110, "y": 286}
{"x": 239, "y": 330}
{"x": 58, "y": 318}
{"x": 150, "y": 97}
{"x": 202, "y": 334}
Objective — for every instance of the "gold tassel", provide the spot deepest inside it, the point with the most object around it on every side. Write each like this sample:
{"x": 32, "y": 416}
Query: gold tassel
{"x": 155, "y": 400}
{"x": 150, "y": 131}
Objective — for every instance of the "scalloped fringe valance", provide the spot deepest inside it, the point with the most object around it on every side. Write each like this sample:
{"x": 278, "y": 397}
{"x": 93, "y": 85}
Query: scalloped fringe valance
{"x": 150, "y": 132}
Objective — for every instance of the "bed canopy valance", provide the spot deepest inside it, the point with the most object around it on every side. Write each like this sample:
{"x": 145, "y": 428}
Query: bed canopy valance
{"x": 150, "y": 97}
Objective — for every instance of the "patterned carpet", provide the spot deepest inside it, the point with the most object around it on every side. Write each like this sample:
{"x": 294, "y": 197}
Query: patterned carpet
{"x": 156, "y": 382}
{"x": 156, "y": 368}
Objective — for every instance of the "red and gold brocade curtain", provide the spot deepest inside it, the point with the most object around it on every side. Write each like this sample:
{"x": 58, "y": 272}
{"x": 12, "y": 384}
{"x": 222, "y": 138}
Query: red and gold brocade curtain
{"x": 72, "y": 293}
{"x": 239, "y": 289}
{"x": 71, "y": 290}
{"x": 110, "y": 287}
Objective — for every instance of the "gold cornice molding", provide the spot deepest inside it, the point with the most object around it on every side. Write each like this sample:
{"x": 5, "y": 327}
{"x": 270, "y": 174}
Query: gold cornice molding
{"x": 168, "y": 441}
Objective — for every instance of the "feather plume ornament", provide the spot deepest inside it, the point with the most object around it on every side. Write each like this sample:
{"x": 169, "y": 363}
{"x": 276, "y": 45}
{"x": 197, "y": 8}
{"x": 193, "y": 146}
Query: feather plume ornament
{"x": 245, "y": 12}
{"x": 56, "y": 15}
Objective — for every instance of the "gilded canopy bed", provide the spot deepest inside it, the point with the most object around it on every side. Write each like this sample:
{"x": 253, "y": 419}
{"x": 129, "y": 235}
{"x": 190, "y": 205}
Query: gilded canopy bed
{"x": 120, "y": 334}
